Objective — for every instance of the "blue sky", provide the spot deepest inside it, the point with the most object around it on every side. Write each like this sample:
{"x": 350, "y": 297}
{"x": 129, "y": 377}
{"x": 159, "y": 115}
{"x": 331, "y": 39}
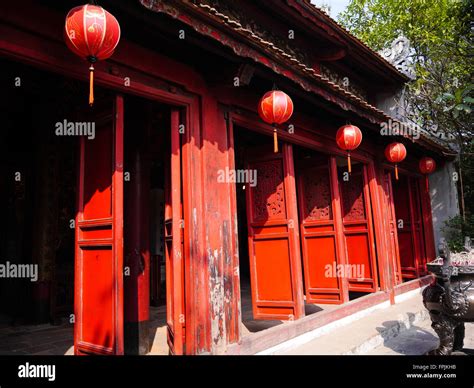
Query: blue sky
{"x": 336, "y": 5}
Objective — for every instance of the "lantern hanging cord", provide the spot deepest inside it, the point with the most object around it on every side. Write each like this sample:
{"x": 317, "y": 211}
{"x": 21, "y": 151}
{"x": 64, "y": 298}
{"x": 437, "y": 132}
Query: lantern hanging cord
{"x": 349, "y": 167}
{"x": 275, "y": 139}
{"x": 92, "y": 2}
{"x": 91, "y": 85}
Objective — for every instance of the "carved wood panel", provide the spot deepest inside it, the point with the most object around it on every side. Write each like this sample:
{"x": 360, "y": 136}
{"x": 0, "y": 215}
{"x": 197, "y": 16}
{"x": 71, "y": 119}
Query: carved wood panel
{"x": 269, "y": 194}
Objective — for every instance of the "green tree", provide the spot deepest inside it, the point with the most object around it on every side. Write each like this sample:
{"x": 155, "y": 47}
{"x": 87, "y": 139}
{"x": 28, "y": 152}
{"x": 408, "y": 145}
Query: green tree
{"x": 441, "y": 97}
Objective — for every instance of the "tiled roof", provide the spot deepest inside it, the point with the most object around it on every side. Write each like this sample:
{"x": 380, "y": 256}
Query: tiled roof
{"x": 373, "y": 114}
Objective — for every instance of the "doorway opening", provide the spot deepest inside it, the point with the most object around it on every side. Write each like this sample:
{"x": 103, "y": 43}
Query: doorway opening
{"x": 267, "y": 211}
{"x": 38, "y": 196}
{"x": 154, "y": 291}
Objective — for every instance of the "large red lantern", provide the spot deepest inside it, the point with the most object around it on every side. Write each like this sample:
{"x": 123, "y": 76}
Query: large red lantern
{"x": 395, "y": 153}
{"x": 348, "y": 138}
{"x": 274, "y": 108}
{"x": 427, "y": 165}
{"x": 93, "y": 34}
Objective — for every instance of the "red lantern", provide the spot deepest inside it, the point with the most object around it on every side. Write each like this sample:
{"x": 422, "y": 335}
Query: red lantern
{"x": 348, "y": 138}
{"x": 93, "y": 34}
{"x": 427, "y": 165}
{"x": 274, "y": 108}
{"x": 395, "y": 153}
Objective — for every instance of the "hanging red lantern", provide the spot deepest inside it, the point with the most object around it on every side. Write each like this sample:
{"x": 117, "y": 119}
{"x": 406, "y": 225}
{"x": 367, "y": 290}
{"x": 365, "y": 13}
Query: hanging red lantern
{"x": 93, "y": 34}
{"x": 348, "y": 138}
{"x": 395, "y": 153}
{"x": 274, "y": 108}
{"x": 427, "y": 165}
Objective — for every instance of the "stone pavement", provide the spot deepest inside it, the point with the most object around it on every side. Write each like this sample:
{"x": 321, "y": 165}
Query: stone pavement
{"x": 420, "y": 339}
{"x": 36, "y": 340}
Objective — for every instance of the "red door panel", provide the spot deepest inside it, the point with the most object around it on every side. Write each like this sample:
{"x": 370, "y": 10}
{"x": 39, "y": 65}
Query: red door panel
{"x": 273, "y": 237}
{"x": 417, "y": 225}
{"x": 393, "y": 248}
{"x": 408, "y": 246}
{"x": 99, "y": 234}
{"x": 174, "y": 253}
{"x": 358, "y": 229}
{"x": 318, "y": 233}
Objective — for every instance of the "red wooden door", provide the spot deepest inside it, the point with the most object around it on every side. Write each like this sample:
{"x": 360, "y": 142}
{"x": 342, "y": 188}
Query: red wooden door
{"x": 273, "y": 237}
{"x": 358, "y": 229}
{"x": 318, "y": 233}
{"x": 417, "y": 225}
{"x": 410, "y": 234}
{"x": 99, "y": 234}
{"x": 174, "y": 253}
{"x": 392, "y": 227}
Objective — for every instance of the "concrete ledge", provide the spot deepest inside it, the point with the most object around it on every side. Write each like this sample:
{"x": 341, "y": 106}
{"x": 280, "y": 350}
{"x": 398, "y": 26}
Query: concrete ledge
{"x": 262, "y": 341}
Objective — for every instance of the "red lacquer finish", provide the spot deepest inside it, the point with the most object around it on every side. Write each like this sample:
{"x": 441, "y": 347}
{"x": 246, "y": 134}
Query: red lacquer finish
{"x": 99, "y": 236}
{"x": 411, "y": 239}
{"x": 395, "y": 153}
{"x": 358, "y": 230}
{"x": 320, "y": 251}
{"x": 348, "y": 138}
{"x": 275, "y": 107}
{"x": 92, "y": 33}
{"x": 392, "y": 228}
{"x": 174, "y": 252}
{"x": 427, "y": 165}
{"x": 272, "y": 219}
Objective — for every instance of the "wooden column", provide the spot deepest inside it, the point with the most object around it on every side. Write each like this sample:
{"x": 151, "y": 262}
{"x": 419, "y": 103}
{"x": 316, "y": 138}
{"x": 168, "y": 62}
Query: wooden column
{"x": 137, "y": 254}
{"x": 336, "y": 195}
{"x": 381, "y": 225}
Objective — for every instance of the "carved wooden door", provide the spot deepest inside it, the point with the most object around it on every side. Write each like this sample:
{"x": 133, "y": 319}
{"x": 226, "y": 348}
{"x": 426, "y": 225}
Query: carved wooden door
{"x": 409, "y": 251}
{"x": 358, "y": 229}
{"x": 392, "y": 227}
{"x": 99, "y": 234}
{"x": 273, "y": 237}
{"x": 318, "y": 232}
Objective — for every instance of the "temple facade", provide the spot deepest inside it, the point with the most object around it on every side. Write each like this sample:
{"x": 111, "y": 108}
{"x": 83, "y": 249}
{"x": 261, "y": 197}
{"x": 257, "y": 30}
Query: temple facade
{"x": 172, "y": 217}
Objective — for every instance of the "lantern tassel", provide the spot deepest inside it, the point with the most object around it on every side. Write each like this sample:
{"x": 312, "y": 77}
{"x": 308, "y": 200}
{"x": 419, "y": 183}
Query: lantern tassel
{"x": 275, "y": 140}
{"x": 396, "y": 172}
{"x": 349, "y": 167}
{"x": 91, "y": 85}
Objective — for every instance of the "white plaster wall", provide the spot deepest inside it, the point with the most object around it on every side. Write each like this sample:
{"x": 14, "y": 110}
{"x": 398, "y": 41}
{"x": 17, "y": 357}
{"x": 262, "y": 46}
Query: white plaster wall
{"x": 444, "y": 198}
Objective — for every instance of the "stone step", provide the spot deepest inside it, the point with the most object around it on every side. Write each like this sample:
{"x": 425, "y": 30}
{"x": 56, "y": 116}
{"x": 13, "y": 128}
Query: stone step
{"x": 365, "y": 334}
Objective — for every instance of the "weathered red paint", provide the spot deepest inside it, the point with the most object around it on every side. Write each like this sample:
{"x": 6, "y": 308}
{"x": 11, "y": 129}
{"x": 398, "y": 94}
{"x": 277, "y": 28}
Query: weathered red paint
{"x": 99, "y": 236}
{"x": 320, "y": 251}
{"x": 272, "y": 222}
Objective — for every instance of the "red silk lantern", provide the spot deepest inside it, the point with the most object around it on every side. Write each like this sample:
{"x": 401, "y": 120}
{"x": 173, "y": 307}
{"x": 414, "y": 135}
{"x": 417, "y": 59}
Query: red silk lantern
{"x": 395, "y": 153}
{"x": 348, "y": 138}
{"x": 274, "y": 108}
{"x": 93, "y": 34}
{"x": 427, "y": 165}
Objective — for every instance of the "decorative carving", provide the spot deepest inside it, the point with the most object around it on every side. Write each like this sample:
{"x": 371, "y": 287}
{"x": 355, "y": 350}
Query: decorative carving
{"x": 269, "y": 194}
{"x": 344, "y": 82}
{"x": 398, "y": 54}
{"x": 353, "y": 199}
{"x": 317, "y": 195}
